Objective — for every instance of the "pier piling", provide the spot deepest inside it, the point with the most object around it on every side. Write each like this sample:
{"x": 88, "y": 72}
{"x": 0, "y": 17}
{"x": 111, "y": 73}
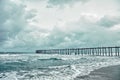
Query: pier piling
{"x": 98, "y": 51}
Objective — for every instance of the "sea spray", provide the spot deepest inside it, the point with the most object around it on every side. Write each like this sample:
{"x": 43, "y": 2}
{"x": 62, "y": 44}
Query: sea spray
{"x": 50, "y": 67}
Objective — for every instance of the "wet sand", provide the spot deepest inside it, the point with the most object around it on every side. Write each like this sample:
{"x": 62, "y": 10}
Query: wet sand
{"x": 105, "y": 73}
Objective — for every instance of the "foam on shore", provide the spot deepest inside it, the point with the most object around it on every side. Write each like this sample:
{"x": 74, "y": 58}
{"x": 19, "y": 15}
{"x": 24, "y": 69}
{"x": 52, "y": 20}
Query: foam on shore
{"x": 104, "y": 73}
{"x": 51, "y": 67}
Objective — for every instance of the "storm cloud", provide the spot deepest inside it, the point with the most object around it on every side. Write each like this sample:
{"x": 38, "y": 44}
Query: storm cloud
{"x": 27, "y": 25}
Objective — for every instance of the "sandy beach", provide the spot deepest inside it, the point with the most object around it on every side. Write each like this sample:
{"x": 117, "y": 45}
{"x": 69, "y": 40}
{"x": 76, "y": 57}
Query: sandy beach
{"x": 105, "y": 73}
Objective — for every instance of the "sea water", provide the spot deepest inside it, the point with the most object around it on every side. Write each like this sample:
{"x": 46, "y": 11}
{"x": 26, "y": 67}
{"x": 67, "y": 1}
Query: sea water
{"x": 50, "y": 67}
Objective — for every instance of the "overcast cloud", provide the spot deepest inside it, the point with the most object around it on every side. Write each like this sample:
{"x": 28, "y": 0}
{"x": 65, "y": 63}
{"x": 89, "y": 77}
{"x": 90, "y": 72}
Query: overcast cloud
{"x": 27, "y": 25}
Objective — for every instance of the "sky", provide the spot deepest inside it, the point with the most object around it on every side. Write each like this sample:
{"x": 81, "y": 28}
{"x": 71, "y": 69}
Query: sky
{"x": 28, "y": 25}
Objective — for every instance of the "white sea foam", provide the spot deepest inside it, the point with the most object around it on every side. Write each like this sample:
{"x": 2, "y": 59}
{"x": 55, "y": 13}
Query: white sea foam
{"x": 56, "y": 67}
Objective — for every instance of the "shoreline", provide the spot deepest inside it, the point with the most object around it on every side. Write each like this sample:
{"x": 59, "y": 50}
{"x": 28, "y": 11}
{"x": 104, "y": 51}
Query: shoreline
{"x": 104, "y": 73}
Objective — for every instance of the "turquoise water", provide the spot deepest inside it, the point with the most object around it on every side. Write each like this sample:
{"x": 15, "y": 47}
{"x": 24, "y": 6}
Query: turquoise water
{"x": 50, "y": 67}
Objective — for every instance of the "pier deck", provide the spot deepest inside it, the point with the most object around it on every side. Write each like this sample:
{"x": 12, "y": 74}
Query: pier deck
{"x": 97, "y": 51}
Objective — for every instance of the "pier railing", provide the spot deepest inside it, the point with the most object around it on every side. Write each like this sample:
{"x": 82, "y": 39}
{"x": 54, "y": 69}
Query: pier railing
{"x": 97, "y": 51}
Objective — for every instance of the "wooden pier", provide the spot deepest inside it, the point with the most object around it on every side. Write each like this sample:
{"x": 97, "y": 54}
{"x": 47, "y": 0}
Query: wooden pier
{"x": 97, "y": 51}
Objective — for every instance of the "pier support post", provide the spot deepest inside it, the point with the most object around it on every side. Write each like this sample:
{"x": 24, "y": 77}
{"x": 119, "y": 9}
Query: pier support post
{"x": 118, "y": 51}
{"x": 93, "y": 51}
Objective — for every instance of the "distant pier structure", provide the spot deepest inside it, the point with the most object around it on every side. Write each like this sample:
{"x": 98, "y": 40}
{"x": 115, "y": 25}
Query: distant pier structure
{"x": 97, "y": 51}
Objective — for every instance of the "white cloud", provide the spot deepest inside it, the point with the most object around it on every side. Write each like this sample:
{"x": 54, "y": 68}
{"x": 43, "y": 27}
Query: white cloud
{"x": 33, "y": 24}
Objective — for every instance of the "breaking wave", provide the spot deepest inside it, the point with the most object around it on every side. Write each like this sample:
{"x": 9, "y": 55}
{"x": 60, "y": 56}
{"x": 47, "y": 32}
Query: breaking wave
{"x": 50, "y": 67}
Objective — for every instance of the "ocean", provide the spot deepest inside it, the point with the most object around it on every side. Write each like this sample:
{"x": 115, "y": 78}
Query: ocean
{"x": 50, "y": 67}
